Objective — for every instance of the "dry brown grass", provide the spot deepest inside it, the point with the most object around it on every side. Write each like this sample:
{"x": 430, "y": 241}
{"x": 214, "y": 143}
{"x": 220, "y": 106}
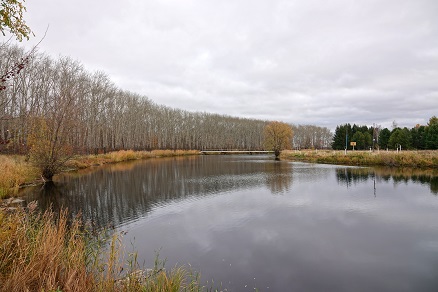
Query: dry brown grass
{"x": 419, "y": 159}
{"x": 39, "y": 253}
{"x": 81, "y": 162}
{"x": 45, "y": 252}
{"x": 14, "y": 171}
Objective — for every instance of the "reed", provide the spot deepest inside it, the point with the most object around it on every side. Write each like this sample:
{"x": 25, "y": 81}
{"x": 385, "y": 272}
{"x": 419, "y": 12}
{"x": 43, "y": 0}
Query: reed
{"x": 40, "y": 253}
{"x": 172, "y": 153}
{"x": 86, "y": 161}
{"x": 14, "y": 171}
{"x": 417, "y": 159}
{"x": 46, "y": 252}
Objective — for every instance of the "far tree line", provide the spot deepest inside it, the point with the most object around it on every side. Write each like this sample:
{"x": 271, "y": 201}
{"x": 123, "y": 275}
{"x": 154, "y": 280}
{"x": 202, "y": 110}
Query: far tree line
{"x": 420, "y": 137}
{"x": 60, "y": 101}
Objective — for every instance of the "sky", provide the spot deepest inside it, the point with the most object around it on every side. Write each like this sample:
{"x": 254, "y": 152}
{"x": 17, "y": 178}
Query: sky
{"x": 325, "y": 63}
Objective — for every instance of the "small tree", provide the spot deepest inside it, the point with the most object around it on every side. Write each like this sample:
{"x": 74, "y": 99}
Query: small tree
{"x": 277, "y": 137}
{"x": 49, "y": 150}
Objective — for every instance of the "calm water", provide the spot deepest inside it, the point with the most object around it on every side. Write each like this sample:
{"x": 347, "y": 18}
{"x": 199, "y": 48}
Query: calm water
{"x": 251, "y": 222}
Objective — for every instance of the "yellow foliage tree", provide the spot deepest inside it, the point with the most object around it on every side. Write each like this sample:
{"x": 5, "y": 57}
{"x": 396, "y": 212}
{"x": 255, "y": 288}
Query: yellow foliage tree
{"x": 11, "y": 18}
{"x": 277, "y": 137}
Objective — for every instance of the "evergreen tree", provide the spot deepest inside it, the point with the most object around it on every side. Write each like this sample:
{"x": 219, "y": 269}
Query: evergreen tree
{"x": 431, "y": 137}
{"x": 384, "y": 136}
{"x": 418, "y": 135}
{"x": 359, "y": 138}
{"x": 343, "y": 133}
{"x": 400, "y": 137}
{"x": 368, "y": 139}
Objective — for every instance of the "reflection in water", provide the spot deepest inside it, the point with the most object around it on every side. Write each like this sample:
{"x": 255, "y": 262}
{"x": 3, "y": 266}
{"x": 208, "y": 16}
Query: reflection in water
{"x": 356, "y": 175}
{"x": 118, "y": 193}
{"x": 122, "y": 192}
{"x": 278, "y": 177}
{"x": 325, "y": 232}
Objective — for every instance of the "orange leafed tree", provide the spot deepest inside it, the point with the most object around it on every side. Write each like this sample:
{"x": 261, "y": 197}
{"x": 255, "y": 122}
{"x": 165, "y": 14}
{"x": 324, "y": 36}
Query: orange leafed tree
{"x": 277, "y": 137}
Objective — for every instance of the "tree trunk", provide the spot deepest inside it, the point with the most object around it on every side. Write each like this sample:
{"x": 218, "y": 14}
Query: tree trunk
{"x": 48, "y": 174}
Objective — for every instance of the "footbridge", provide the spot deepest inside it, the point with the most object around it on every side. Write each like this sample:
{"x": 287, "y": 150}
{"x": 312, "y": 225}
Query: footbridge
{"x": 225, "y": 152}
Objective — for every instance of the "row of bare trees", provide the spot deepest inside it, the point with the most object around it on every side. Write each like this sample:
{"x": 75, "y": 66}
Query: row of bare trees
{"x": 59, "y": 101}
{"x": 311, "y": 137}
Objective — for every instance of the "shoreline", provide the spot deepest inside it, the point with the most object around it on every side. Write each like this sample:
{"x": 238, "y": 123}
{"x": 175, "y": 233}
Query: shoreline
{"x": 422, "y": 159}
{"x": 19, "y": 173}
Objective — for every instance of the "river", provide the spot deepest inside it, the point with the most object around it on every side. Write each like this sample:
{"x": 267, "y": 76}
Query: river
{"x": 248, "y": 221}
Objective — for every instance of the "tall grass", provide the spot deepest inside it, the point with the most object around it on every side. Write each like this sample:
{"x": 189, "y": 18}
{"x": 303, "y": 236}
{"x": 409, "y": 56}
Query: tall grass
{"x": 124, "y": 155}
{"x": 418, "y": 159}
{"x": 45, "y": 252}
{"x": 14, "y": 171}
{"x": 39, "y": 253}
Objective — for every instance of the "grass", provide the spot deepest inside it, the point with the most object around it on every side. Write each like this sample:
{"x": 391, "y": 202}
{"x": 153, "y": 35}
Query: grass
{"x": 416, "y": 159}
{"x": 45, "y": 252}
{"x": 86, "y": 161}
{"x": 14, "y": 172}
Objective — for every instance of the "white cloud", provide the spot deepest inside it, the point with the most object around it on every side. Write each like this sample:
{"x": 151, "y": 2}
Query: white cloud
{"x": 319, "y": 62}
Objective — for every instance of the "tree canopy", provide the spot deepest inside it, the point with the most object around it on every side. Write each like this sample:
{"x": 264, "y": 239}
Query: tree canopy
{"x": 11, "y": 19}
{"x": 400, "y": 138}
{"x": 420, "y": 137}
{"x": 277, "y": 137}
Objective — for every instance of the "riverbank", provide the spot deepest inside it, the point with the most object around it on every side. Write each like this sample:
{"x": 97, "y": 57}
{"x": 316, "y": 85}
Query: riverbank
{"x": 415, "y": 159}
{"x": 17, "y": 172}
{"x": 48, "y": 252}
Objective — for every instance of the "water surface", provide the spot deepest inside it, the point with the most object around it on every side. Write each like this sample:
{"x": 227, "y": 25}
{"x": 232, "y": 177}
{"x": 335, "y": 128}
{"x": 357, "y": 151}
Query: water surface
{"x": 251, "y": 222}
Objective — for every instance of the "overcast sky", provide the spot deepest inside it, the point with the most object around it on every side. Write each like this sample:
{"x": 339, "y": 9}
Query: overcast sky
{"x": 325, "y": 62}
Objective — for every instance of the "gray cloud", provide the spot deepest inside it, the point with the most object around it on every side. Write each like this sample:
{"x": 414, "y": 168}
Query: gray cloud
{"x": 319, "y": 62}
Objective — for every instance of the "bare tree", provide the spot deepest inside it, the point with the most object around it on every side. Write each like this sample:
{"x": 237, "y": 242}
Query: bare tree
{"x": 75, "y": 111}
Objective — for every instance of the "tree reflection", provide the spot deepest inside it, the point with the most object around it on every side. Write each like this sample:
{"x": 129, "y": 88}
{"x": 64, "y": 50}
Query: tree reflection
{"x": 348, "y": 176}
{"x": 351, "y": 176}
{"x": 119, "y": 193}
{"x": 278, "y": 177}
